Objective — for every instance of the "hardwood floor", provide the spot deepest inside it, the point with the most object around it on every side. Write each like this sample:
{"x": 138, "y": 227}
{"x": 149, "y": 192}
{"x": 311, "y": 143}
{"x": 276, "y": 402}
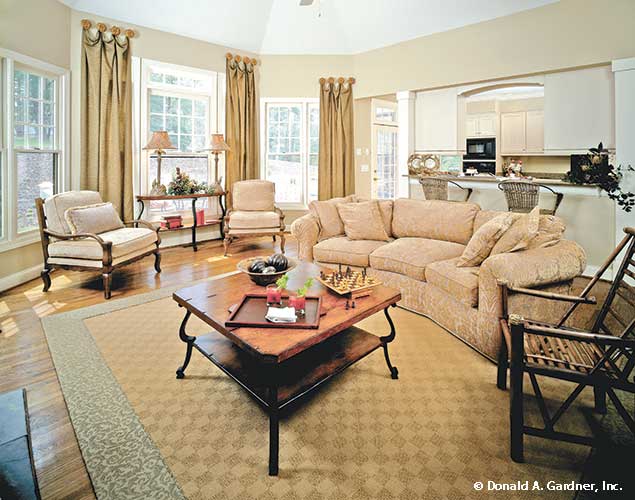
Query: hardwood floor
{"x": 25, "y": 360}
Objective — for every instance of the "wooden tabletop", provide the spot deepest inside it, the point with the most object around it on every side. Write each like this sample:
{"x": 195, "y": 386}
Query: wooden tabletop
{"x": 210, "y": 301}
{"x": 152, "y": 197}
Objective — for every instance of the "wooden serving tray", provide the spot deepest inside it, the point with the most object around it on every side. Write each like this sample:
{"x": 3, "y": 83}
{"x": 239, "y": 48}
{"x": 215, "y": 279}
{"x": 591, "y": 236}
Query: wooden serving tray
{"x": 252, "y": 309}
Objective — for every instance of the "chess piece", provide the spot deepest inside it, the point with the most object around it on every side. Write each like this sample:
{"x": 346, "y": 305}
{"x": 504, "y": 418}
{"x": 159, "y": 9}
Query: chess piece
{"x": 353, "y": 305}
{"x": 347, "y": 305}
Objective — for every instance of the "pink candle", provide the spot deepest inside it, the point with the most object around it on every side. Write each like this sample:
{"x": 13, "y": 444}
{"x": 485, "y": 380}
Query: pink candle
{"x": 274, "y": 294}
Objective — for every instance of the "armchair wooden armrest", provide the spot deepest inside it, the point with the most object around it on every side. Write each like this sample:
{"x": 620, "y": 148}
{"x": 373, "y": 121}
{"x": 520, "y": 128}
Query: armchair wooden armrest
{"x": 550, "y": 295}
{"x": 141, "y": 222}
{"x": 61, "y": 236}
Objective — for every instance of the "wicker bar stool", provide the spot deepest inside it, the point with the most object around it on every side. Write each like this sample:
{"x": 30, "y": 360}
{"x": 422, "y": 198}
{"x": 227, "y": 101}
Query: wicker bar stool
{"x": 523, "y": 196}
{"x": 436, "y": 188}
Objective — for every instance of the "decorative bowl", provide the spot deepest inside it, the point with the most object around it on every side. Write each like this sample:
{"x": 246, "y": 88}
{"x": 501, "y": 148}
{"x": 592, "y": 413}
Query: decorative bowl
{"x": 264, "y": 279}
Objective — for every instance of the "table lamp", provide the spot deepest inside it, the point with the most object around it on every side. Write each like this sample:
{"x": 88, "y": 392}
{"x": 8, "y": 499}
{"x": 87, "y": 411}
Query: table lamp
{"x": 217, "y": 145}
{"x": 160, "y": 141}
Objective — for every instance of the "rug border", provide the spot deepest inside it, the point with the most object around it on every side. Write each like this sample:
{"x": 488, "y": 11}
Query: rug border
{"x": 83, "y": 373}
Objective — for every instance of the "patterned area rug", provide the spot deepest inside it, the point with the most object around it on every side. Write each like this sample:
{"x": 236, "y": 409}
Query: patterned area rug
{"x": 436, "y": 431}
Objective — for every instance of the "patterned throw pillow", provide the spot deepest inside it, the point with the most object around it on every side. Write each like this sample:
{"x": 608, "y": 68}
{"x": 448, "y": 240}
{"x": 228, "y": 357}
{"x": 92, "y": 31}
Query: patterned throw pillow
{"x": 328, "y": 217}
{"x": 362, "y": 221}
{"x": 484, "y": 239}
{"x": 95, "y": 219}
{"x": 522, "y": 231}
{"x": 550, "y": 231}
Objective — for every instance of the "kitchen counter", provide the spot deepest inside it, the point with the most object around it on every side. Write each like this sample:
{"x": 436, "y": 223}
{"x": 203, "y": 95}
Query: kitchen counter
{"x": 497, "y": 179}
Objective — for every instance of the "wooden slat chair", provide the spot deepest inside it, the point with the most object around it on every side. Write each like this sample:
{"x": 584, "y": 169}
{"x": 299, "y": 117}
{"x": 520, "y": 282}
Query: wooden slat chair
{"x": 523, "y": 196}
{"x": 602, "y": 358}
{"x": 436, "y": 188}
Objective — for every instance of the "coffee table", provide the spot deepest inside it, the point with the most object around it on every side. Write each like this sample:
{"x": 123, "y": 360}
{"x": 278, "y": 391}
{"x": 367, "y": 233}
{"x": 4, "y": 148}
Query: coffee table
{"x": 278, "y": 366}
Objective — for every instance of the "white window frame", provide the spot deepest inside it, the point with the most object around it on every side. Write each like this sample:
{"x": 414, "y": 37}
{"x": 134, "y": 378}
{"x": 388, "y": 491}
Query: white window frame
{"x": 11, "y": 238}
{"x": 215, "y": 120}
{"x": 306, "y": 103}
{"x": 377, "y": 125}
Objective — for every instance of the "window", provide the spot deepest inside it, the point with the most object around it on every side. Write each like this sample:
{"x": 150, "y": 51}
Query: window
{"x": 384, "y": 148}
{"x": 187, "y": 103}
{"x": 291, "y": 145}
{"x": 32, "y": 152}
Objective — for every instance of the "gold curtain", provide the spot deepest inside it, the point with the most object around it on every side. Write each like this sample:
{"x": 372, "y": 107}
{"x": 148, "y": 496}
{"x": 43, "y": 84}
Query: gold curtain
{"x": 241, "y": 121}
{"x": 106, "y": 161}
{"x": 336, "y": 168}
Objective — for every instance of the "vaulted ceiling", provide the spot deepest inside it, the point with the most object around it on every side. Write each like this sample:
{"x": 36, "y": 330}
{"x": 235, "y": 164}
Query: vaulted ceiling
{"x": 285, "y": 27}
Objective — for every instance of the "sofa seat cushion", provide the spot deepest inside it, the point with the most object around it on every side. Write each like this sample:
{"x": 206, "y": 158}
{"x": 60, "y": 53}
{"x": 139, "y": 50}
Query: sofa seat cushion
{"x": 124, "y": 241}
{"x": 460, "y": 282}
{"x": 253, "y": 220}
{"x": 341, "y": 250}
{"x": 410, "y": 256}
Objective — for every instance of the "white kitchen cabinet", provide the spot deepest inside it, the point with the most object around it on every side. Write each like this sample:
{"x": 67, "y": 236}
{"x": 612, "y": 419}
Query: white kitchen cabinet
{"x": 436, "y": 121}
{"x": 522, "y": 132}
{"x": 481, "y": 125}
{"x": 534, "y": 132}
{"x": 513, "y": 133}
{"x": 579, "y": 110}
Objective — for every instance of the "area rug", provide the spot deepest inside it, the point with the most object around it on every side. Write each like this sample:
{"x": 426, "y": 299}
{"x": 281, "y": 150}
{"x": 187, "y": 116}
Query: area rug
{"x": 434, "y": 433}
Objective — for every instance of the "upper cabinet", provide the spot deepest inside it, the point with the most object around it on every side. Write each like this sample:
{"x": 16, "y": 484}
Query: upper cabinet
{"x": 522, "y": 132}
{"x": 481, "y": 125}
{"x": 579, "y": 110}
{"x": 436, "y": 118}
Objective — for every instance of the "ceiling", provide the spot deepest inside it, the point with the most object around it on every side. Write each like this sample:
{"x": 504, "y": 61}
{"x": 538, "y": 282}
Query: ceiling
{"x": 284, "y": 27}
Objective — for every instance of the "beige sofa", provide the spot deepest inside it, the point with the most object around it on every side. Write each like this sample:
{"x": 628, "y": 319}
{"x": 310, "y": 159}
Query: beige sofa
{"x": 427, "y": 237}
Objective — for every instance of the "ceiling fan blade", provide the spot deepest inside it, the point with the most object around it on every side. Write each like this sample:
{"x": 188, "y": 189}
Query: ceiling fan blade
{"x": 304, "y": 3}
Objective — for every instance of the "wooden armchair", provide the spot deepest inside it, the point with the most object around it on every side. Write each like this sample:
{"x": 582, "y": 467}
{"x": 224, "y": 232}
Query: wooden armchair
{"x": 602, "y": 358}
{"x": 253, "y": 213}
{"x": 89, "y": 251}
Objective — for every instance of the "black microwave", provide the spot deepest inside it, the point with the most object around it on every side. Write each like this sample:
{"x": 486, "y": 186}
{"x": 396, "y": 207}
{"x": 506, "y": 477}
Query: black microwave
{"x": 480, "y": 149}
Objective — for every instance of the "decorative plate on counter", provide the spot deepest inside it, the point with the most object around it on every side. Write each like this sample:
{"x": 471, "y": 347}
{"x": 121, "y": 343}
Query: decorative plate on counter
{"x": 423, "y": 164}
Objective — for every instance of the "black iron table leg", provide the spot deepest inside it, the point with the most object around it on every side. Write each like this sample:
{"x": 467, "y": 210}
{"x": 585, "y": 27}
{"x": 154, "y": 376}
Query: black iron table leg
{"x": 274, "y": 424}
{"x": 143, "y": 206}
{"x": 194, "y": 224}
{"x": 394, "y": 373}
{"x": 189, "y": 340}
{"x": 222, "y": 217}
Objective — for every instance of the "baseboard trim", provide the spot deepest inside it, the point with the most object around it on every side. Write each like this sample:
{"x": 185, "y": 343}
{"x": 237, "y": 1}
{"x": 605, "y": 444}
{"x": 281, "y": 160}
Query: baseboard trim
{"x": 20, "y": 277}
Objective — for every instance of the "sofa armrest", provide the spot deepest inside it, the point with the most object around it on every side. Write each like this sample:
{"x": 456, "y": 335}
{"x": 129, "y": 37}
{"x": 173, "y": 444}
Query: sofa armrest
{"x": 531, "y": 268}
{"x": 306, "y": 230}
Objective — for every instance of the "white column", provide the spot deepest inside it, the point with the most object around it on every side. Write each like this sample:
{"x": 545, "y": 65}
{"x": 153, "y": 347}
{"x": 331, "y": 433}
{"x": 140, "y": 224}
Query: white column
{"x": 624, "y": 70}
{"x": 406, "y": 139}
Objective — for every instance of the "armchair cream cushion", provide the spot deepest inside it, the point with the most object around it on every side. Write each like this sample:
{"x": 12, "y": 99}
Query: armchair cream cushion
{"x": 254, "y": 220}
{"x": 95, "y": 219}
{"x": 125, "y": 241}
{"x": 253, "y": 195}
{"x": 55, "y": 207}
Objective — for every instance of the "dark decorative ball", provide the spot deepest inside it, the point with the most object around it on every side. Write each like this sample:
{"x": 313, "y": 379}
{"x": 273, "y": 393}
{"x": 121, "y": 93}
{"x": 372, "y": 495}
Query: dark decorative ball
{"x": 257, "y": 266}
{"x": 279, "y": 261}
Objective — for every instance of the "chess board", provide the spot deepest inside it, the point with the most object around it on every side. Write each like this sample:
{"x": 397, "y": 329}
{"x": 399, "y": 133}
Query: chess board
{"x": 348, "y": 282}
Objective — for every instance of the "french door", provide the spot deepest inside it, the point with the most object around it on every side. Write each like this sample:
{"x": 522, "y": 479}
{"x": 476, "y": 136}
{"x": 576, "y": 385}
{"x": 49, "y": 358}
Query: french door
{"x": 384, "y": 161}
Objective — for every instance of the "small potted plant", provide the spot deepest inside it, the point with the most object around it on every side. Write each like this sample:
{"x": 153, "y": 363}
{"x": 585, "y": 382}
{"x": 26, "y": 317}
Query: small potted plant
{"x": 298, "y": 299}
{"x": 274, "y": 290}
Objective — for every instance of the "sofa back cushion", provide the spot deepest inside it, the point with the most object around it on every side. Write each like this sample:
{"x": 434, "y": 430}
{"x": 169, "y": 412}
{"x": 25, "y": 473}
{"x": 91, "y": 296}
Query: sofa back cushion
{"x": 255, "y": 195}
{"x": 328, "y": 217}
{"x": 386, "y": 209}
{"x": 484, "y": 239}
{"x": 95, "y": 219}
{"x": 56, "y": 206}
{"x": 484, "y": 216}
{"x": 434, "y": 219}
{"x": 362, "y": 221}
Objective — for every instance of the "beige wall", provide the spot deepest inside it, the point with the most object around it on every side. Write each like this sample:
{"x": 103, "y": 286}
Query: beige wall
{"x": 363, "y": 183}
{"x": 297, "y": 76}
{"x": 36, "y": 28}
{"x": 565, "y": 34}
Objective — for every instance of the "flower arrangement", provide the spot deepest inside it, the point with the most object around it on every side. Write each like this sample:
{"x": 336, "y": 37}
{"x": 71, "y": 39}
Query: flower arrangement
{"x": 599, "y": 171}
{"x": 182, "y": 183}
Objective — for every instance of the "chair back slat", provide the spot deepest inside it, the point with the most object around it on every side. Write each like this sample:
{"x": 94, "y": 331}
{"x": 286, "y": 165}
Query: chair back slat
{"x": 618, "y": 310}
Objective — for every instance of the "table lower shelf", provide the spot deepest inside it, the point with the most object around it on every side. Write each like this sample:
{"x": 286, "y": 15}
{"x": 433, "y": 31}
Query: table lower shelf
{"x": 296, "y": 376}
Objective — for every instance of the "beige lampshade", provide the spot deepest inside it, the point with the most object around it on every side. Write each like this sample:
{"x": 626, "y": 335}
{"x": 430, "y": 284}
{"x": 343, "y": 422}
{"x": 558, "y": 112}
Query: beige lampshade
{"x": 159, "y": 140}
{"x": 217, "y": 143}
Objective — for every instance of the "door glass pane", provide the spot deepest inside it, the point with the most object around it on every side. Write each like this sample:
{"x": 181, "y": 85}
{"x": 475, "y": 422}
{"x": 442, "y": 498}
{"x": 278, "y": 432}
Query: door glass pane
{"x": 314, "y": 140}
{"x": 385, "y": 161}
{"x": 36, "y": 179}
{"x": 284, "y": 147}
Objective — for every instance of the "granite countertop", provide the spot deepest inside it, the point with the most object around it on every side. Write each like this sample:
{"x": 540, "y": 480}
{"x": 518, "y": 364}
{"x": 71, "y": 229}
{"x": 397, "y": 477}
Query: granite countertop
{"x": 539, "y": 179}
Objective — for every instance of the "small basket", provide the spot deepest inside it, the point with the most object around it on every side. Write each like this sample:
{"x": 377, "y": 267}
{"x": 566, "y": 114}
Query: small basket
{"x": 264, "y": 279}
